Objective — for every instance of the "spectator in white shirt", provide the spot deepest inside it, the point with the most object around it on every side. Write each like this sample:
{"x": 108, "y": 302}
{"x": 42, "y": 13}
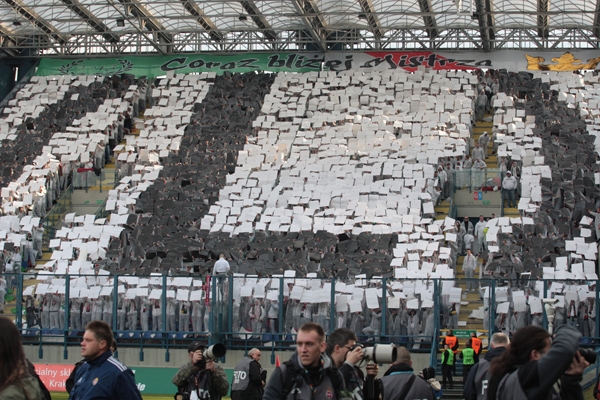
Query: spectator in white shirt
{"x": 221, "y": 266}
{"x": 509, "y": 185}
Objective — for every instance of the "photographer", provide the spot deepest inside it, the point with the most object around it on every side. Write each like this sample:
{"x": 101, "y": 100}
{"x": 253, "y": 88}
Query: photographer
{"x": 400, "y": 381}
{"x": 534, "y": 363}
{"x": 345, "y": 354}
{"x": 200, "y": 378}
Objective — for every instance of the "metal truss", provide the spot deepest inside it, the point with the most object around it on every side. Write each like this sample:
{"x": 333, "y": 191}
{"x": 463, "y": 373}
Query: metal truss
{"x": 315, "y": 25}
{"x": 297, "y": 41}
{"x": 302, "y": 26}
{"x": 597, "y": 20}
{"x": 92, "y": 21}
{"x": 486, "y": 23}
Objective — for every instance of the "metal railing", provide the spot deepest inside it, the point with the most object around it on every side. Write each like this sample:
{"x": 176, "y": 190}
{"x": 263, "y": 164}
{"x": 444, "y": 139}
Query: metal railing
{"x": 220, "y": 309}
{"x": 477, "y": 179}
{"x": 56, "y": 214}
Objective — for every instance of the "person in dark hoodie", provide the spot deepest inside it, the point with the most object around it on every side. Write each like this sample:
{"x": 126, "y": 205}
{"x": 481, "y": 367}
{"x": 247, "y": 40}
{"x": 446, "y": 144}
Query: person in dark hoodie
{"x": 476, "y": 385}
{"x": 310, "y": 373}
{"x": 401, "y": 382}
{"x": 539, "y": 367}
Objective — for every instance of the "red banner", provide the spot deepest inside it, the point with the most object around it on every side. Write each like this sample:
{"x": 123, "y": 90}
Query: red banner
{"x": 54, "y": 375}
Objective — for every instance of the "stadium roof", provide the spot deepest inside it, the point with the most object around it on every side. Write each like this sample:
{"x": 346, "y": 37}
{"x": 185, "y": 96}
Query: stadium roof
{"x": 78, "y": 27}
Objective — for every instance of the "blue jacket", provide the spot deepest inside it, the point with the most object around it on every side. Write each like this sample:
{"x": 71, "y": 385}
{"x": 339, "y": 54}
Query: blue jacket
{"x": 104, "y": 377}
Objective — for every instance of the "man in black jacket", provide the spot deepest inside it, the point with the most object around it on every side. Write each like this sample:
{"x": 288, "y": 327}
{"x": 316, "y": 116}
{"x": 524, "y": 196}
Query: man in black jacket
{"x": 476, "y": 385}
{"x": 248, "y": 378}
{"x": 309, "y": 373}
{"x": 400, "y": 381}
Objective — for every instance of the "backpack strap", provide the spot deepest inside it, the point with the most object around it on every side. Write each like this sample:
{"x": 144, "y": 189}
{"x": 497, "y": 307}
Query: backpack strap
{"x": 289, "y": 378}
{"x": 407, "y": 387}
{"x": 336, "y": 381}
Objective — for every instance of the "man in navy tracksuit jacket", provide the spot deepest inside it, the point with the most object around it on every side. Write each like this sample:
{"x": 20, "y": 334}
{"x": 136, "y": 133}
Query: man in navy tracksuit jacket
{"x": 102, "y": 376}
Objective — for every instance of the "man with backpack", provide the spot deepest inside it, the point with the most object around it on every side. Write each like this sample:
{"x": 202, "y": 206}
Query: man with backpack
{"x": 309, "y": 374}
{"x": 400, "y": 382}
{"x": 475, "y": 387}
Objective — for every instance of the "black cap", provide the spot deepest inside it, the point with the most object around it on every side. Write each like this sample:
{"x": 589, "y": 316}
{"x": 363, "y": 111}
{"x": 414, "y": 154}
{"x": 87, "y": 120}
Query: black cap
{"x": 195, "y": 346}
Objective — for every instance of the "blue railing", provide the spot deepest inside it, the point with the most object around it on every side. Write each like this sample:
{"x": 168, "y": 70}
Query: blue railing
{"x": 220, "y": 318}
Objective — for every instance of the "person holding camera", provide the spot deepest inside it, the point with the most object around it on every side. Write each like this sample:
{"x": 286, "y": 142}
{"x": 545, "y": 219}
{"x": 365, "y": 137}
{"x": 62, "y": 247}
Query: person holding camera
{"x": 400, "y": 382}
{"x": 309, "y": 374}
{"x": 248, "y": 378}
{"x": 534, "y": 364}
{"x": 201, "y": 378}
{"x": 346, "y": 354}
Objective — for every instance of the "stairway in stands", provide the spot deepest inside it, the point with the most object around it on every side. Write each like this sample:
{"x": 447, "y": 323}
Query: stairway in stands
{"x": 95, "y": 201}
{"x": 492, "y": 158}
{"x": 470, "y": 300}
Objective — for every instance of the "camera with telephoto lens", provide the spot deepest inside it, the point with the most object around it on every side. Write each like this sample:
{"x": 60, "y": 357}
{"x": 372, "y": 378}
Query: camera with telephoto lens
{"x": 588, "y": 354}
{"x": 214, "y": 352}
{"x": 378, "y": 353}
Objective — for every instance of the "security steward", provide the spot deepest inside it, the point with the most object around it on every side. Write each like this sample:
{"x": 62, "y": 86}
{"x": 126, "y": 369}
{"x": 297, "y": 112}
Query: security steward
{"x": 475, "y": 343}
{"x": 468, "y": 357}
{"x": 452, "y": 342}
{"x": 248, "y": 378}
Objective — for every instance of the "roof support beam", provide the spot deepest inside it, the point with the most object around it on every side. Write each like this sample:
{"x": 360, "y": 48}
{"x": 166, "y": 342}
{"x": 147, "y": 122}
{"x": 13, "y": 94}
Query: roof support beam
{"x": 8, "y": 43}
{"x": 259, "y": 20}
{"x": 486, "y": 23}
{"x": 428, "y": 18}
{"x": 311, "y": 17}
{"x": 529, "y": 33}
{"x": 36, "y": 20}
{"x": 542, "y": 19}
{"x": 561, "y": 39}
{"x": 92, "y": 21}
{"x": 597, "y": 20}
{"x": 203, "y": 20}
{"x": 151, "y": 40}
{"x": 371, "y": 15}
{"x": 135, "y": 8}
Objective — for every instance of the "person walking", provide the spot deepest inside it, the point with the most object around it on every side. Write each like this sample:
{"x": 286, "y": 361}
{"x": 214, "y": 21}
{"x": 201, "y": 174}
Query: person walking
{"x": 475, "y": 387}
{"x": 310, "y": 373}
{"x": 468, "y": 357}
{"x": 248, "y": 378}
{"x": 102, "y": 376}
{"x": 447, "y": 365}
